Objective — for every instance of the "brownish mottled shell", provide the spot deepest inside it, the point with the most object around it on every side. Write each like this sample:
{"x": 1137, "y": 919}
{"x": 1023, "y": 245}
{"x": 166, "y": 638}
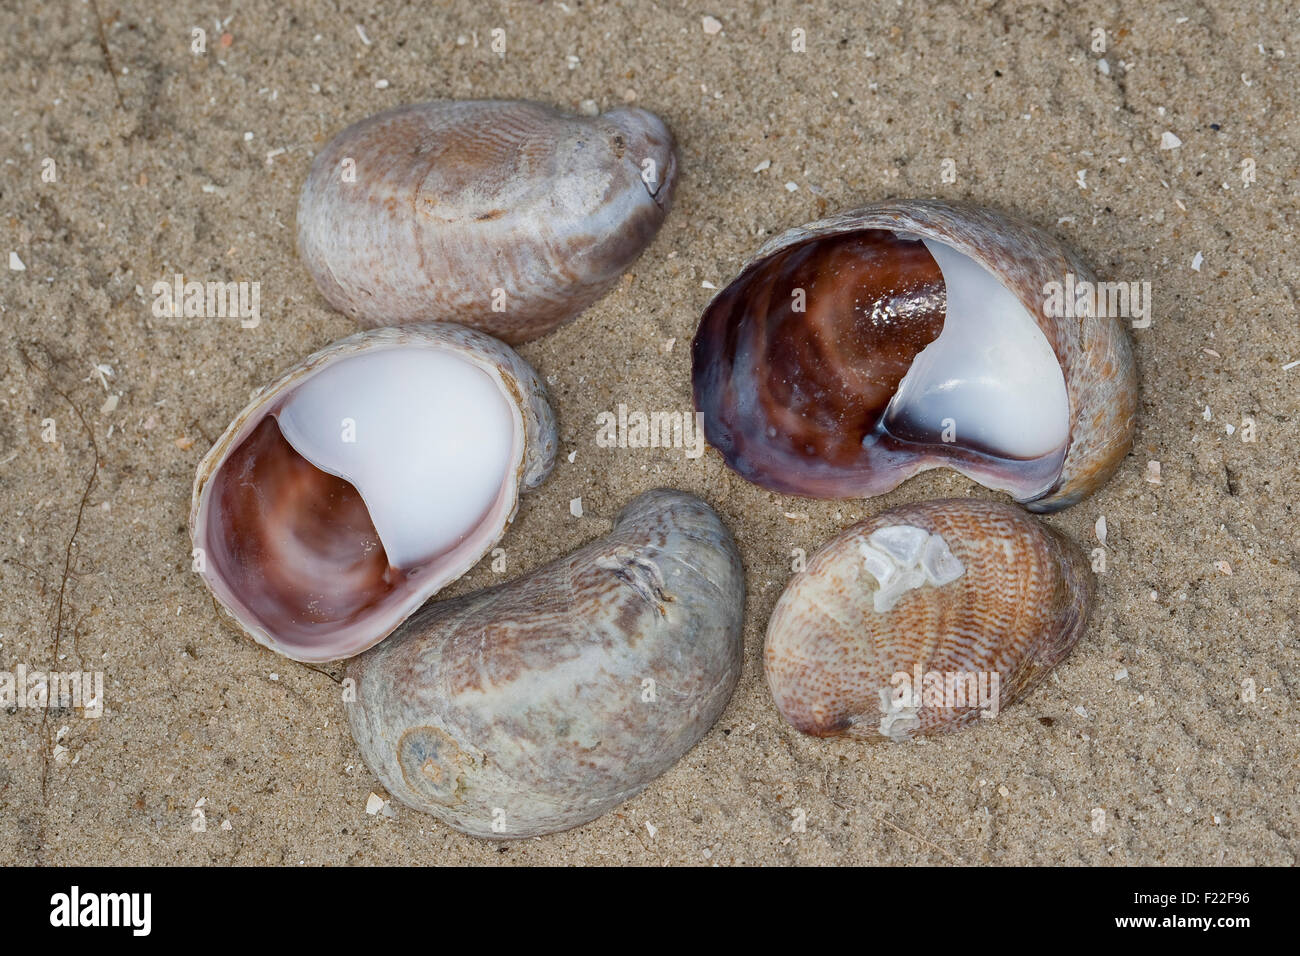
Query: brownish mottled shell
{"x": 1016, "y": 611}
{"x": 540, "y": 704}
{"x": 507, "y": 216}
{"x": 745, "y": 379}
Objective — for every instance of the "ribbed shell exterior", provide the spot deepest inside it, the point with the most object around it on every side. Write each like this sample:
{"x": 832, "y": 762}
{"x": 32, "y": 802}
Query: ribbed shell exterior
{"x": 518, "y": 381}
{"x": 1018, "y": 610}
{"x": 453, "y": 200}
{"x": 522, "y": 709}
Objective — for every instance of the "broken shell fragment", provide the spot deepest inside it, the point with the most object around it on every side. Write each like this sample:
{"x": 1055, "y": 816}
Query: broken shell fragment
{"x": 365, "y": 479}
{"x": 856, "y": 351}
{"x": 507, "y": 216}
{"x": 923, "y": 618}
{"x": 542, "y": 703}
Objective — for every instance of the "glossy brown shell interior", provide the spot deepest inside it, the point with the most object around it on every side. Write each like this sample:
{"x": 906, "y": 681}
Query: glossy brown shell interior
{"x": 794, "y": 400}
{"x": 297, "y": 543}
{"x": 797, "y": 360}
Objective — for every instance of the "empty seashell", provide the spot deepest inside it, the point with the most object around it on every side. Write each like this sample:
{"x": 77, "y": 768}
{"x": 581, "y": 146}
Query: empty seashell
{"x": 365, "y": 479}
{"x": 540, "y": 704}
{"x": 856, "y": 351}
{"x": 508, "y": 216}
{"x": 923, "y": 618}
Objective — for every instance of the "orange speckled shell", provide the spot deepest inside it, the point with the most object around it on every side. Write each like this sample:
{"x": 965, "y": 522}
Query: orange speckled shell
{"x": 1018, "y": 609}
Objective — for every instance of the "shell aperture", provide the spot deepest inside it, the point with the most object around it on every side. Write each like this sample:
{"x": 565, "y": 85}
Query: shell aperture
{"x": 854, "y": 352}
{"x": 424, "y": 437}
{"x": 363, "y": 480}
{"x": 991, "y": 372}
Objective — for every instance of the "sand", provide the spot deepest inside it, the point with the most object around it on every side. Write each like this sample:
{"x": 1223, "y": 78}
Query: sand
{"x": 1169, "y": 736}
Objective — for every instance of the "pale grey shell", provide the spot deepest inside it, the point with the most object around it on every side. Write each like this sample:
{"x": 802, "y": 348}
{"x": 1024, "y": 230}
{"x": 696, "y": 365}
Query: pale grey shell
{"x": 540, "y": 704}
{"x": 507, "y": 216}
{"x": 517, "y": 380}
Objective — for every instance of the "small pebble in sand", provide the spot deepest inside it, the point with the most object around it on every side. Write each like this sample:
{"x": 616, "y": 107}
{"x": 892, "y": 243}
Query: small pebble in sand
{"x": 184, "y": 443}
{"x": 791, "y": 187}
{"x": 16, "y": 264}
{"x": 374, "y": 803}
{"x": 1169, "y": 141}
{"x": 1101, "y": 530}
{"x": 572, "y": 455}
{"x": 711, "y": 25}
{"x": 575, "y": 506}
{"x": 1207, "y": 414}
{"x": 1196, "y": 262}
{"x": 1122, "y": 674}
{"x": 1153, "y": 472}
{"x": 706, "y": 284}
{"x": 1223, "y": 567}
{"x": 765, "y": 164}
